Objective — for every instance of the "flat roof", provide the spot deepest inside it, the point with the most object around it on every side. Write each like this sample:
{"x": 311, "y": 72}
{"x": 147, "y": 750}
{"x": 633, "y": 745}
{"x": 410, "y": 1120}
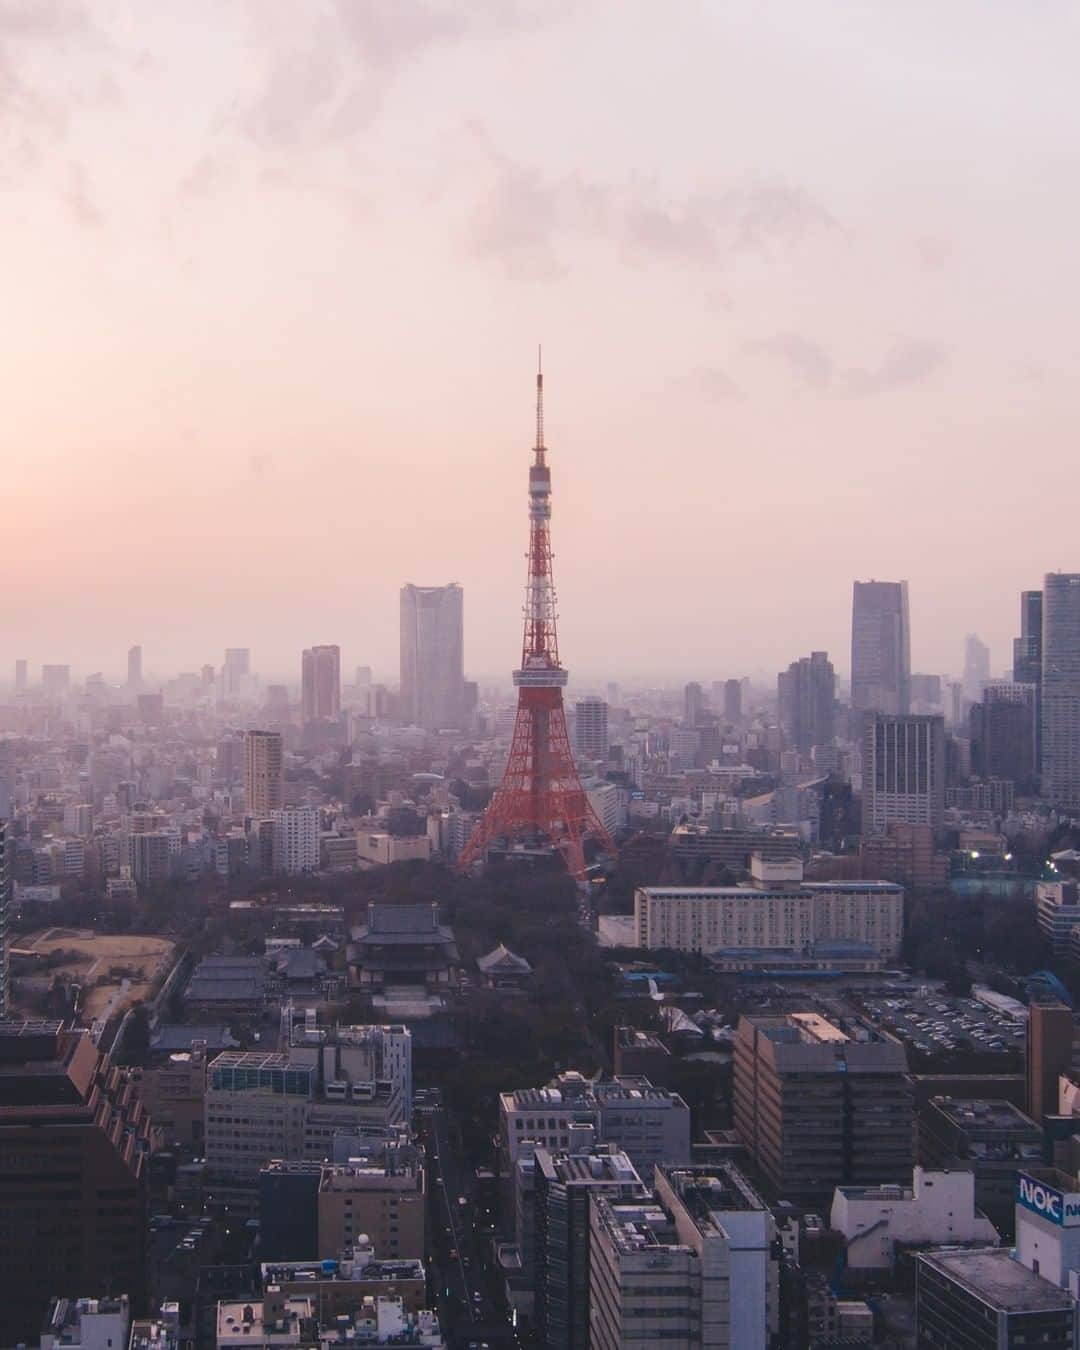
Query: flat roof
{"x": 987, "y": 1112}
{"x": 992, "y": 1275}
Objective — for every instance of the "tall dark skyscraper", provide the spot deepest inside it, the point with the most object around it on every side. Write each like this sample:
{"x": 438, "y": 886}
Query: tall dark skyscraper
{"x": 806, "y": 694}
{"x": 1027, "y": 648}
{"x": 1061, "y": 689}
{"x": 880, "y": 647}
{"x": 320, "y": 684}
{"x": 1027, "y": 659}
{"x": 1003, "y": 734}
{"x": 5, "y": 896}
{"x": 432, "y": 655}
{"x": 732, "y": 700}
{"x": 134, "y": 671}
{"x": 693, "y": 703}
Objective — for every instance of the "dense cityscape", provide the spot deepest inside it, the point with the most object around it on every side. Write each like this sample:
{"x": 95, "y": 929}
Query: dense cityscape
{"x": 362, "y": 1013}
{"x": 665, "y": 937}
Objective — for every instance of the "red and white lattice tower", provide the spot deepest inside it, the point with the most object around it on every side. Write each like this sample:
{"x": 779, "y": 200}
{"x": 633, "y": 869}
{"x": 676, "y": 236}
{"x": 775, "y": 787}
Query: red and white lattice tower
{"x": 540, "y": 797}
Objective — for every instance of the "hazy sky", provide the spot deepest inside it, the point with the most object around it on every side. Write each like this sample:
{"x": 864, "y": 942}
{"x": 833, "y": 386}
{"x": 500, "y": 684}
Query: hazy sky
{"x": 274, "y": 275}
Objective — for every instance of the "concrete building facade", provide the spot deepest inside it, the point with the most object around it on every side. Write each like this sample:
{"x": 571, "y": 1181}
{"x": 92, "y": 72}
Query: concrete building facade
{"x": 432, "y": 656}
{"x": 818, "y": 1108}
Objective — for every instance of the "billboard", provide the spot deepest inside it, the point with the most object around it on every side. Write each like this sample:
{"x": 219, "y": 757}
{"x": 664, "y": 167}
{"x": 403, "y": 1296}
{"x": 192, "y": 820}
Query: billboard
{"x": 1060, "y": 1207}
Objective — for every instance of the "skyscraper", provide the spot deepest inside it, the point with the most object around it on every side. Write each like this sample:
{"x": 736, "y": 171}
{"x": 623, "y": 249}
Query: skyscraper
{"x": 5, "y": 896}
{"x": 1003, "y": 733}
{"x": 880, "y": 647}
{"x": 20, "y": 675}
{"x": 1027, "y": 659}
{"x": 903, "y": 771}
{"x": 432, "y": 655}
{"x": 806, "y": 694}
{"x": 591, "y": 728}
{"x": 236, "y": 671}
{"x": 1061, "y": 689}
{"x": 263, "y": 773}
{"x": 321, "y": 683}
{"x": 732, "y": 700}
{"x": 134, "y": 675}
{"x": 75, "y": 1148}
{"x": 1027, "y": 648}
{"x": 693, "y": 703}
{"x": 976, "y": 667}
{"x": 55, "y": 681}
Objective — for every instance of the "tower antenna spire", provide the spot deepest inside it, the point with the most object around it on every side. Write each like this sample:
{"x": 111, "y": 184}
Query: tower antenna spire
{"x": 540, "y": 398}
{"x": 540, "y": 798}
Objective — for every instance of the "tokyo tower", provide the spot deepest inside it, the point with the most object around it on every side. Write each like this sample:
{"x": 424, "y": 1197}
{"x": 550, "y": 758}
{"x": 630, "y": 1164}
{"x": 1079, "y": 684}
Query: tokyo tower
{"x": 540, "y": 797}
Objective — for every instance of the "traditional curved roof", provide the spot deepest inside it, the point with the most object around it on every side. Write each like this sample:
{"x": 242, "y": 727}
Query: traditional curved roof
{"x": 502, "y": 959}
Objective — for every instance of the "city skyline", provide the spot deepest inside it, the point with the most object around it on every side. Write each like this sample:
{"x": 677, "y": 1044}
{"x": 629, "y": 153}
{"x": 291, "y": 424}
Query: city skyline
{"x": 856, "y": 279}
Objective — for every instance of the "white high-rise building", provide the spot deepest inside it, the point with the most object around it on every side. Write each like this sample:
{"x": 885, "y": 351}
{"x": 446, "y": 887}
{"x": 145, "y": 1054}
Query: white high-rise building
{"x": 903, "y": 771}
{"x": 591, "y": 727}
{"x": 296, "y": 839}
{"x": 432, "y": 656}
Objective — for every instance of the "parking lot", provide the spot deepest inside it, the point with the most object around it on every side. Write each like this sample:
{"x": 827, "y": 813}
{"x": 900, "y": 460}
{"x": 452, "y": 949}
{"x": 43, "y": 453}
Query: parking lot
{"x": 933, "y": 1022}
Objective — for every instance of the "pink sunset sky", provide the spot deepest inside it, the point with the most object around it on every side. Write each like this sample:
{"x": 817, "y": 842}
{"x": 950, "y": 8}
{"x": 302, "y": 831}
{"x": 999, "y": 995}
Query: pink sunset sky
{"x": 805, "y": 276}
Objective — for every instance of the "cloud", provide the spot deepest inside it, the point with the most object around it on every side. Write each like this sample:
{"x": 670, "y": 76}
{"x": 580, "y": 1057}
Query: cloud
{"x": 907, "y": 364}
{"x": 37, "y": 98}
{"x": 80, "y": 200}
{"x": 328, "y": 65}
{"x": 717, "y": 383}
{"x": 526, "y": 221}
{"x": 911, "y": 363}
{"x": 931, "y": 252}
{"x": 803, "y": 357}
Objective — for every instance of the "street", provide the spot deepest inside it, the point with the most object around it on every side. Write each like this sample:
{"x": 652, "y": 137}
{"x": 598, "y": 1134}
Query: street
{"x": 467, "y": 1281}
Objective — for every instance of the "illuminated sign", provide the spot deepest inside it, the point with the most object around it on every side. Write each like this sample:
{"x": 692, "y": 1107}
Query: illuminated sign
{"x": 1048, "y": 1202}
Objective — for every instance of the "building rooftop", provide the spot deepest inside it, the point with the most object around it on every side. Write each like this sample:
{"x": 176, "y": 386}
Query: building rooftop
{"x": 713, "y": 1189}
{"x": 65, "y": 1315}
{"x": 632, "y": 1039}
{"x": 365, "y": 1267}
{"x": 251, "y": 1059}
{"x": 637, "y": 1226}
{"x": 157, "y": 1333}
{"x": 572, "y": 1092}
{"x": 503, "y": 959}
{"x": 255, "y": 1320}
{"x": 991, "y": 1274}
{"x": 173, "y": 1036}
{"x": 601, "y": 1164}
{"x": 983, "y": 1113}
{"x": 750, "y": 892}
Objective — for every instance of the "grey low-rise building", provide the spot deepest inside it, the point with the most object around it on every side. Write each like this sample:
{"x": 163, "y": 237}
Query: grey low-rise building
{"x": 993, "y": 1139}
{"x": 983, "y": 1299}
